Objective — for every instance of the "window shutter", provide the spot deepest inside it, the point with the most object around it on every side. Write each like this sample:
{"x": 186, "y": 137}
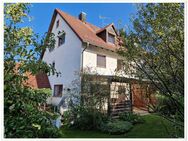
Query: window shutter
{"x": 101, "y": 61}
{"x": 119, "y": 64}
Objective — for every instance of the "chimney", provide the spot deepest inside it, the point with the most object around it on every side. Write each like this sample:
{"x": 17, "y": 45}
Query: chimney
{"x": 82, "y": 16}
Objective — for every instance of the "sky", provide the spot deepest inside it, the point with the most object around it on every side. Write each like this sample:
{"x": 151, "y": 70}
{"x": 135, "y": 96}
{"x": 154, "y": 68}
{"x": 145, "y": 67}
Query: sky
{"x": 113, "y": 12}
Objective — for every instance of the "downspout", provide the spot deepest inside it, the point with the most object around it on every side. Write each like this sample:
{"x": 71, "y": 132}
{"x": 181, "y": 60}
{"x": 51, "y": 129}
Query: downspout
{"x": 87, "y": 45}
{"x": 82, "y": 67}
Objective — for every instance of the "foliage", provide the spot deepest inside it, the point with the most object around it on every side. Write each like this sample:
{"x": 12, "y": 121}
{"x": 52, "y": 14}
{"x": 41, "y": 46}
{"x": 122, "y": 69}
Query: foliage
{"x": 116, "y": 127}
{"x": 95, "y": 90}
{"x": 166, "y": 107}
{"x": 89, "y": 113}
{"x": 23, "y": 115}
{"x": 131, "y": 117}
{"x": 83, "y": 118}
{"x": 46, "y": 91}
{"x": 155, "y": 50}
{"x": 152, "y": 128}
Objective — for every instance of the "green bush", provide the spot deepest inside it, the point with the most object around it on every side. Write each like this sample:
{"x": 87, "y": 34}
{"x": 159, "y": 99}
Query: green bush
{"x": 83, "y": 118}
{"x": 46, "y": 91}
{"x": 23, "y": 116}
{"x": 165, "y": 105}
{"x": 167, "y": 108}
{"x": 116, "y": 127}
{"x": 131, "y": 117}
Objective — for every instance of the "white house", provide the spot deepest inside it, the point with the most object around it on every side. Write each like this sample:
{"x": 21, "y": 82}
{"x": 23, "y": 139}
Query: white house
{"x": 80, "y": 45}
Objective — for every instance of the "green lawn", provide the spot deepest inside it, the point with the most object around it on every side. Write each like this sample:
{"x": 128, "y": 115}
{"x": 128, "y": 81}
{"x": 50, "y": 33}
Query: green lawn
{"x": 153, "y": 127}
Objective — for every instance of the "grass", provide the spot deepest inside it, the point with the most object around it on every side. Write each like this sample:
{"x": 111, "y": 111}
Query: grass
{"x": 153, "y": 127}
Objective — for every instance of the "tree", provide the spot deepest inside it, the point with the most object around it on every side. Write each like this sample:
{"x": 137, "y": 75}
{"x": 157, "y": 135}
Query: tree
{"x": 22, "y": 48}
{"x": 155, "y": 49}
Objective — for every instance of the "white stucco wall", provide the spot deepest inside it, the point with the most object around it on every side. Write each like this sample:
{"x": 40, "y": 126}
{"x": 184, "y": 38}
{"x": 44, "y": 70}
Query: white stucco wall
{"x": 66, "y": 57}
{"x": 90, "y": 60}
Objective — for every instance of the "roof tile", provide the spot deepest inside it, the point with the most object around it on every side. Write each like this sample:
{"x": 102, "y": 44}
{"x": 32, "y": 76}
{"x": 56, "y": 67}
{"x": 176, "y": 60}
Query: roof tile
{"x": 86, "y": 31}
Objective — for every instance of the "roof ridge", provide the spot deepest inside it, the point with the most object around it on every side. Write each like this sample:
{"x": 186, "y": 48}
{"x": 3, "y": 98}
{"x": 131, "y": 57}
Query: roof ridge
{"x": 104, "y": 27}
{"x": 84, "y": 31}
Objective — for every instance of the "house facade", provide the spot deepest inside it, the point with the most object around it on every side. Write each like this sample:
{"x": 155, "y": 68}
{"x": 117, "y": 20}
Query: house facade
{"x": 79, "y": 46}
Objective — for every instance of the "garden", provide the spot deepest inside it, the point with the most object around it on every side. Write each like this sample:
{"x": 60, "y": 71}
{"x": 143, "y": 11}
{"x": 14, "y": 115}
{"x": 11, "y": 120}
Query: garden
{"x": 153, "y": 127}
{"x": 156, "y": 31}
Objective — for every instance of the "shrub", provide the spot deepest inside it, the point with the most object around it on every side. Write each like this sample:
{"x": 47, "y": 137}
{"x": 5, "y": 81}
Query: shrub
{"x": 83, "y": 118}
{"x": 45, "y": 91}
{"x": 131, "y": 117}
{"x": 23, "y": 116}
{"x": 165, "y": 105}
{"x": 90, "y": 112}
{"x": 23, "y": 113}
{"x": 116, "y": 127}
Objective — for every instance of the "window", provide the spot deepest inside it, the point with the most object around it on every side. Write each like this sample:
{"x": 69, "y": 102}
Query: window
{"x": 58, "y": 90}
{"x": 51, "y": 49}
{"x": 53, "y": 64}
{"x": 101, "y": 61}
{"x": 57, "y": 24}
{"x": 111, "y": 38}
{"x": 53, "y": 67}
{"x": 61, "y": 40}
{"x": 119, "y": 65}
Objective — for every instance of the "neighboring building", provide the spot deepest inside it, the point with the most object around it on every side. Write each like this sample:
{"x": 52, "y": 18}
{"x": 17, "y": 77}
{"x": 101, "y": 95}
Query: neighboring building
{"x": 81, "y": 45}
{"x": 38, "y": 81}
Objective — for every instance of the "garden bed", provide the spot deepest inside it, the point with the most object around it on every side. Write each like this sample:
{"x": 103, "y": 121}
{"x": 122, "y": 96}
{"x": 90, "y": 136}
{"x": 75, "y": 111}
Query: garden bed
{"x": 153, "y": 127}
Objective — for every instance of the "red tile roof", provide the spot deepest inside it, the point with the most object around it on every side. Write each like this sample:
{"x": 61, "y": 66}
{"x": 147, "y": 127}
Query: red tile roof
{"x": 38, "y": 81}
{"x": 95, "y": 28}
{"x": 84, "y": 30}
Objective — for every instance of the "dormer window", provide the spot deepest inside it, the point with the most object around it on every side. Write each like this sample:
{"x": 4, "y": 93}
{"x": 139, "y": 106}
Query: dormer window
{"x": 57, "y": 24}
{"x": 111, "y": 38}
